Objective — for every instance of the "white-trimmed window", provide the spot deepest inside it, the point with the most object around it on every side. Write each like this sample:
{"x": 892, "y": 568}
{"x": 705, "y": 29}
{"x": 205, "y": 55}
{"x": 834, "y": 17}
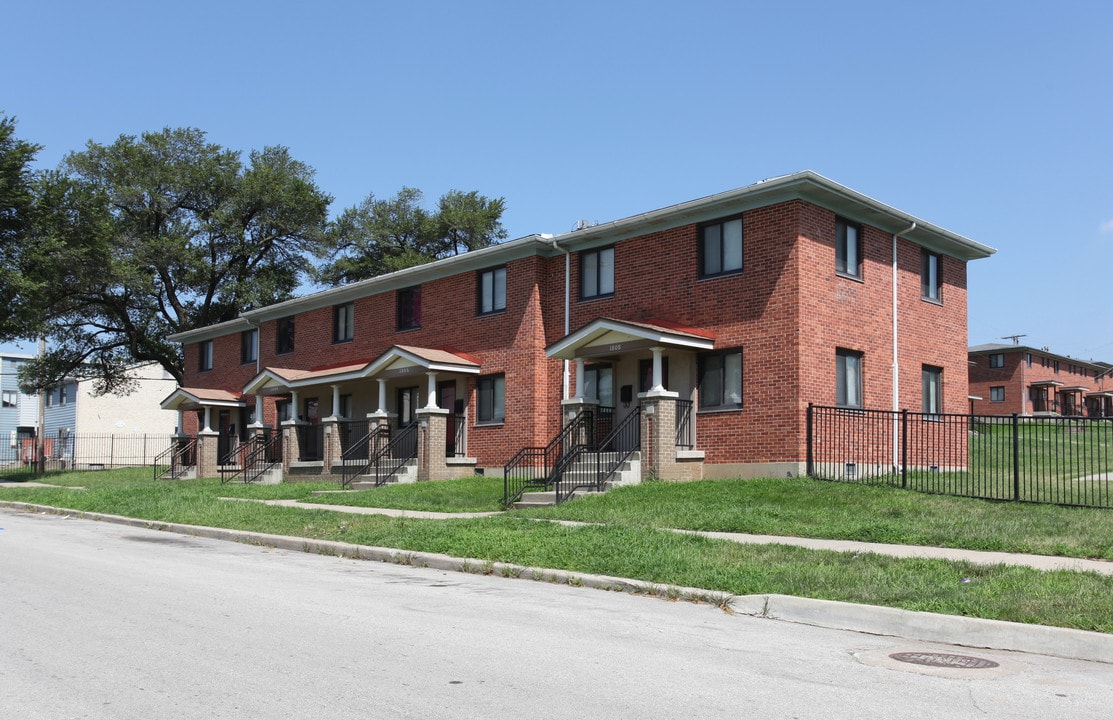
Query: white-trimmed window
{"x": 205, "y": 356}
{"x": 997, "y": 393}
{"x": 932, "y": 385}
{"x": 931, "y": 282}
{"x": 721, "y": 248}
{"x": 848, "y": 378}
{"x": 11, "y": 399}
{"x": 848, "y": 248}
{"x": 597, "y": 273}
{"x": 492, "y": 291}
{"x": 490, "y": 393}
{"x": 720, "y": 380}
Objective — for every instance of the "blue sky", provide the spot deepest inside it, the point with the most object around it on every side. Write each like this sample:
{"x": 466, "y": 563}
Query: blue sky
{"x": 991, "y": 119}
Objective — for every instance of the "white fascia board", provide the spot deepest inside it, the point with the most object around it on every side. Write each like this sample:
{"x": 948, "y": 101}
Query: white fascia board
{"x": 565, "y": 349}
{"x": 209, "y": 332}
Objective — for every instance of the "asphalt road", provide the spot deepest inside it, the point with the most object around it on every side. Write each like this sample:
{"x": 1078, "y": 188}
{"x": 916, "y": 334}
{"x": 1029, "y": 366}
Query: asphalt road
{"x": 107, "y": 621}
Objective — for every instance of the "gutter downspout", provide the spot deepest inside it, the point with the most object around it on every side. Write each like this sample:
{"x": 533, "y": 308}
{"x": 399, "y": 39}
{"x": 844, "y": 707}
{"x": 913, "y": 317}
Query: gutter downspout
{"x": 896, "y": 350}
{"x": 567, "y": 305}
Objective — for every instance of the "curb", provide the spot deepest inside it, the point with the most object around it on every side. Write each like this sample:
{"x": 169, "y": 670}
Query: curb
{"x": 870, "y": 619}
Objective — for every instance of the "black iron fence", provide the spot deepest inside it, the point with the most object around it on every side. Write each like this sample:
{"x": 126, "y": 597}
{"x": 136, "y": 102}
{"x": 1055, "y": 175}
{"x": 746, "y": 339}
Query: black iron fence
{"x": 82, "y": 451}
{"x": 1053, "y": 460}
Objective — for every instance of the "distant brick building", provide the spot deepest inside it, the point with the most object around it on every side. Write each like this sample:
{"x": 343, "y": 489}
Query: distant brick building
{"x": 718, "y": 320}
{"x": 1007, "y": 379}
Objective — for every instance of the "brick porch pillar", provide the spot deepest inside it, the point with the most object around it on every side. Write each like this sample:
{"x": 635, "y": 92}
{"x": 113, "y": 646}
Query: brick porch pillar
{"x": 207, "y": 441}
{"x": 431, "y": 435}
{"x": 658, "y": 429}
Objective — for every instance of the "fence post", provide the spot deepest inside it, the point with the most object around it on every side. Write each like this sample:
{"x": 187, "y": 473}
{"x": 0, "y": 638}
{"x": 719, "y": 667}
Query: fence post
{"x": 1016, "y": 457}
{"x": 904, "y": 448}
{"x": 809, "y": 441}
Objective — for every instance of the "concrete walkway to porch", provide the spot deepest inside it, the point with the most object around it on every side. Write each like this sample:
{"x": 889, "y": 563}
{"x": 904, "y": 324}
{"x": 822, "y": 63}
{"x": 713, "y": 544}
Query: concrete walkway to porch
{"x": 978, "y": 557}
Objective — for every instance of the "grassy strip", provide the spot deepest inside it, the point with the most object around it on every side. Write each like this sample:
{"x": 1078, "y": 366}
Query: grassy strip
{"x": 627, "y": 549}
{"x": 808, "y": 508}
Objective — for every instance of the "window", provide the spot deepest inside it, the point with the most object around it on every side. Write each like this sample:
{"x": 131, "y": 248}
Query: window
{"x": 285, "y": 341}
{"x": 931, "y": 285}
{"x": 1055, "y": 366}
{"x": 1028, "y": 359}
{"x": 599, "y": 384}
{"x": 345, "y": 409}
{"x": 205, "y": 359}
{"x": 249, "y": 346}
{"x": 720, "y": 380}
{"x": 997, "y": 393}
{"x": 282, "y": 410}
{"x": 932, "y": 383}
{"x": 997, "y": 360}
{"x": 343, "y": 323}
{"x": 10, "y": 398}
{"x": 63, "y": 396}
{"x": 597, "y": 273}
{"x": 492, "y": 291}
{"x": 49, "y": 398}
{"x": 848, "y": 250}
{"x": 721, "y": 248}
{"x": 491, "y": 397}
{"x": 409, "y": 308}
{"x": 848, "y": 380}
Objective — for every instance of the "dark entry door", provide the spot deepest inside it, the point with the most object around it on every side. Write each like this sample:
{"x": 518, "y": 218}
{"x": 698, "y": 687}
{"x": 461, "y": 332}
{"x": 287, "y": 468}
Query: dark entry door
{"x": 446, "y": 398}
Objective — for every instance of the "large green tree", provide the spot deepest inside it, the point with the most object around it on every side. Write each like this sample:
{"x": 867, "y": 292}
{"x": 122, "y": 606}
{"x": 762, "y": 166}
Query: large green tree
{"x": 381, "y": 236}
{"x": 158, "y": 234}
{"x": 17, "y": 203}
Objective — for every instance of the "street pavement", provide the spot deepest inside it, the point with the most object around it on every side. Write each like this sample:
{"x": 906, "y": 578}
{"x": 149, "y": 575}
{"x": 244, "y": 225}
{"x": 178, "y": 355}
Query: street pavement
{"x": 111, "y": 620}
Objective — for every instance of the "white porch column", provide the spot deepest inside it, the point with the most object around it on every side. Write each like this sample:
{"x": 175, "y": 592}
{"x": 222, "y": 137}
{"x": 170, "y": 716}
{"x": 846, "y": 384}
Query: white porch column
{"x": 208, "y": 420}
{"x": 382, "y": 397}
{"x": 336, "y": 401}
{"x": 658, "y": 385}
{"x": 294, "y": 413}
{"x": 181, "y": 421}
{"x": 431, "y": 404}
{"x": 258, "y": 412}
{"x": 579, "y": 378}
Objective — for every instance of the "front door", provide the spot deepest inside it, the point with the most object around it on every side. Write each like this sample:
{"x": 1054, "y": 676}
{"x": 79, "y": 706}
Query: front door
{"x": 312, "y": 449}
{"x": 226, "y": 440}
{"x": 408, "y": 403}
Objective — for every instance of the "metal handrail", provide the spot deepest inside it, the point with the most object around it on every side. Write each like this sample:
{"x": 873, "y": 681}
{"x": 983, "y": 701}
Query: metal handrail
{"x": 589, "y": 468}
{"x": 178, "y": 454}
{"x": 254, "y": 462}
{"x": 376, "y": 437}
{"x": 532, "y": 467}
{"x": 390, "y": 458}
{"x": 684, "y": 439}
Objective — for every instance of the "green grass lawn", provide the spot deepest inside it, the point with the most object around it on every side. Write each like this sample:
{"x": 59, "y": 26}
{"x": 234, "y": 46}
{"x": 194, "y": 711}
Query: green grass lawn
{"x": 630, "y": 545}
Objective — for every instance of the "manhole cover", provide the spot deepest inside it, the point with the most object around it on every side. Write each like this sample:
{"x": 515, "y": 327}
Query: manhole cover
{"x": 944, "y": 660}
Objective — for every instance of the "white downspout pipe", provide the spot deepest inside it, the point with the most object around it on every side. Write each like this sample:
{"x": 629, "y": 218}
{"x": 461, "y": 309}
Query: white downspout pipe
{"x": 567, "y": 307}
{"x": 896, "y": 349}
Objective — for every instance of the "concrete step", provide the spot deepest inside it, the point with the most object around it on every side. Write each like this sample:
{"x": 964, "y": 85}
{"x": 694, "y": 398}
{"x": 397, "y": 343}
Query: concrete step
{"x": 406, "y": 474}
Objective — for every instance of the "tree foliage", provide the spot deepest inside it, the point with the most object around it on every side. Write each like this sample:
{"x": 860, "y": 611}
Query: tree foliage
{"x": 159, "y": 234}
{"x": 381, "y": 236}
{"x": 17, "y": 202}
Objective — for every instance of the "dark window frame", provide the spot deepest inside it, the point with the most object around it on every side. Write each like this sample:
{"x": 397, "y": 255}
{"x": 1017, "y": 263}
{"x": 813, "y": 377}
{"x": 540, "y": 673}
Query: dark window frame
{"x": 249, "y": 346}
{"x": 931, "y": 375}
{"x": 720, "y": 226}
{"x": 346, "y": 332}
{"x": 846, "y": 265}
{"x": 205, "y": 356}
{"x": 996, "y": 361}
{"x": 488, "y": 412}
{"x": 409, "y": 308}
{"x": 997, "y": 390}
{"x": 843, "y": 377}
{"x": 495, "y": 274}
{"x": 597, "y": 274}
{"x": 931, "y": 278}
{"x": 704, "y": 363}
{"x": 284, "y": 335}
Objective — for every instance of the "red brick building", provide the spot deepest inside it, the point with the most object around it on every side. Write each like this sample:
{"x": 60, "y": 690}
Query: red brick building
{"x": 1007, "y": 379}
{"x": 717, "y": 321}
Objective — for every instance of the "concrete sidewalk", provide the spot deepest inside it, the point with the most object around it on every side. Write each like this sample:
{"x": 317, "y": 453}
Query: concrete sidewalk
{"x": 978, "y": 557}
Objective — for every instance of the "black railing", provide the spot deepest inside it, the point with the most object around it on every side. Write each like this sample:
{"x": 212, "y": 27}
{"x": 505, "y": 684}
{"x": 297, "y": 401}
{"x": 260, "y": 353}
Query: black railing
{"x": 311, "y": 442}
{"x": 255, "y": 458}
{"x": 685, "y": 438}
{"x": 172, "y": 463}
{"x": 353, "y": 434}
{"x": 532, "y": 467}
{"x": 357, "y": 456}
{"x": 589, "y": 468}
{"x": 457, "y": 438}
{"x": 389, "y": 453}
{"x": 1052, "y": 460}
{"x": 604, "y": 423}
